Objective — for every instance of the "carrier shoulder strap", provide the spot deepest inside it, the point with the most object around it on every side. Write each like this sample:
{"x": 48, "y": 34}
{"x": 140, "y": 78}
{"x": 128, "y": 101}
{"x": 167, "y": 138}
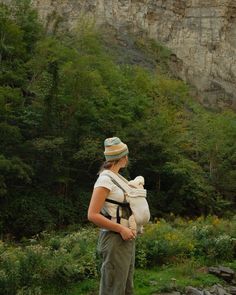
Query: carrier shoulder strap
{"x": 115, "y": 182}
{"x": 119, "y": 180}
{"x": 124, "y": 204}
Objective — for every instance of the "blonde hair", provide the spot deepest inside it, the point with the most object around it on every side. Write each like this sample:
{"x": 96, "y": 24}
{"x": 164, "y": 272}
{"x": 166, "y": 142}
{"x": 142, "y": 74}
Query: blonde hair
{"x": 108, "y": 165}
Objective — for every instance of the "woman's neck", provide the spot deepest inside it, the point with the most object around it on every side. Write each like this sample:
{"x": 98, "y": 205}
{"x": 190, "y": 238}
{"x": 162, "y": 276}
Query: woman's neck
{"x": 115, "y": 169}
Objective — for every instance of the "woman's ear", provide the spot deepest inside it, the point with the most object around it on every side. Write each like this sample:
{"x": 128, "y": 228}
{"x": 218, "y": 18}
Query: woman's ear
{"x": 126, "y": 161}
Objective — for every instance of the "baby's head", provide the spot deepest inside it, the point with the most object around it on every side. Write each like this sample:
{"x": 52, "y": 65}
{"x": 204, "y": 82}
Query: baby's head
{"x": 138, "y": 182}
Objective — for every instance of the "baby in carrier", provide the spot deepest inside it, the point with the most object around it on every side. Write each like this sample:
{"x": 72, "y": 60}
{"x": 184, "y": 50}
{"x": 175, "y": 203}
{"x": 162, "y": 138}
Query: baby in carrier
{"x": 134, "y": 197}
{"x": 137, "y": 183}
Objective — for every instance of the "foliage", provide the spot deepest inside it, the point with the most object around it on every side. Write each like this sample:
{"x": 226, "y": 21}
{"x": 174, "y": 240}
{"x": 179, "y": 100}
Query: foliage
{"x": 169, "y": 255}
{"x": 47, "y": 259}
{"x": 211, "y": 239}
{"x": 34, "y": 213}
{"x": 63, "y": 93}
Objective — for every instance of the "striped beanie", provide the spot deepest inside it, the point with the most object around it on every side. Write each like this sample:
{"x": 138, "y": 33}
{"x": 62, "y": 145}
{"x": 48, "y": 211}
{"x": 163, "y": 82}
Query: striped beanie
{"x": 115, "y": 149}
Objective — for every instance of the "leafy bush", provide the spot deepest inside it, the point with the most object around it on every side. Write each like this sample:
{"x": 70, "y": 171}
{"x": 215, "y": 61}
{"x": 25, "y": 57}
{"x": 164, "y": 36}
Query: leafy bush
{"x": 67, "y": 257}
{"x": 163, "y": 243}
{"x": 58, "y": 259}
{"x": 212, "y": 239}
{"x": 36, "y": 211}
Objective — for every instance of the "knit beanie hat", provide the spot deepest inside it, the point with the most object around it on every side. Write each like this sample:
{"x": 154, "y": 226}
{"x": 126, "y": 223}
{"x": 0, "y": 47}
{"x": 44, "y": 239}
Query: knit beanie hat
{"x": 115, "y": 148}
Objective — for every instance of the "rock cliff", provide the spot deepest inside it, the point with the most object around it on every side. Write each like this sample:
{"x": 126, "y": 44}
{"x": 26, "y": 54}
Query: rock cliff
{"x": 200, "y": 33}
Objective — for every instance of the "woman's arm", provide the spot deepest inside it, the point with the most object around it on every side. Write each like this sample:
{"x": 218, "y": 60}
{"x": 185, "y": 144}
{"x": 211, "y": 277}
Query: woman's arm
{"x": 98, "y": 198}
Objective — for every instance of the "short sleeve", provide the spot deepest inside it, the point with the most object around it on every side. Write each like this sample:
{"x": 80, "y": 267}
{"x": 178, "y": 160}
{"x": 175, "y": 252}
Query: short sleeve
{"x": 104, "y": 181}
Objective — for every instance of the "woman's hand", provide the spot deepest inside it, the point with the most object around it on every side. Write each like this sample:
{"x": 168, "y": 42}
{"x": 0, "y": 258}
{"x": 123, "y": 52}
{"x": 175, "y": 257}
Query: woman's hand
{"x": 127, "y": 234}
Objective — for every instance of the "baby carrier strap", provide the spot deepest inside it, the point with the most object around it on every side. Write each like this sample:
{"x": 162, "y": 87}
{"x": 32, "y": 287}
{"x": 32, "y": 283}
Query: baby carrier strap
{"x": 123, "y": 184}
{"x": 123, "y": 204}
{"x": 134, "y": 196}
{"x": 119, "y": 180}
{"x": 117, "y": 184}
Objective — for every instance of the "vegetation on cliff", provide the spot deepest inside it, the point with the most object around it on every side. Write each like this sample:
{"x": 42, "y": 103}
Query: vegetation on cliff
{"x": 61, "y": 94}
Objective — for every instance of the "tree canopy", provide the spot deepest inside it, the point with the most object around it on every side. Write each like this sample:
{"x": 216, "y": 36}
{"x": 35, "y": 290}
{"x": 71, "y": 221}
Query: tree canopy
{"x": 62, "y": 94}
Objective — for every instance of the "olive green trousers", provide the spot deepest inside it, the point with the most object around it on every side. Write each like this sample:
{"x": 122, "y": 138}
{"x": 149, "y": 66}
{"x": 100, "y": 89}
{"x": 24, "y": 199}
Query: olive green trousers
{"x": 118, "y": 257}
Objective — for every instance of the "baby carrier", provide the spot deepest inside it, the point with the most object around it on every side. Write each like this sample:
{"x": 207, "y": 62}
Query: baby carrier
{"x": 134, "y": 200}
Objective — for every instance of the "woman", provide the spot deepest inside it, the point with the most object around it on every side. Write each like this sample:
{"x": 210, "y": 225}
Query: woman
{"x": 116, "y": 242}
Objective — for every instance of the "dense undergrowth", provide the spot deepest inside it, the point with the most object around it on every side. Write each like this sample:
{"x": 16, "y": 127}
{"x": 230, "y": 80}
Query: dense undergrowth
{"x": 57, "y": 262}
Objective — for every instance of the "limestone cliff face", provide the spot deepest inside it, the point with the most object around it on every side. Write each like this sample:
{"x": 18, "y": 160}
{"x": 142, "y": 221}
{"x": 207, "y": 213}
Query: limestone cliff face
{"x": 201, "y": 33}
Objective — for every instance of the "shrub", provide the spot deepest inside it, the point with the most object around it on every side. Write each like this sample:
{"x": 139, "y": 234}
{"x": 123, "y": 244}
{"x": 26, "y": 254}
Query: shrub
{"x": 63, "y": 258}
{"x": 210, "y": 238}
{"x": 57, "y": 259}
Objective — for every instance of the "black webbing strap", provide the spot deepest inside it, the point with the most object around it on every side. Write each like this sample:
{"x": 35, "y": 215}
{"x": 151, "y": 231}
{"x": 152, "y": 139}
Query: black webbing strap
{"x": 118, "y": 214}
{"x": 106, "y": 215}
{"x": 124, "y": 204}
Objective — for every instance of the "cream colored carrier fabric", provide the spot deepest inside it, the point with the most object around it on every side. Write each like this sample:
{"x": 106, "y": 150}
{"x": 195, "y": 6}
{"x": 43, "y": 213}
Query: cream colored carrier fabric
{"x": 136, "y": 197}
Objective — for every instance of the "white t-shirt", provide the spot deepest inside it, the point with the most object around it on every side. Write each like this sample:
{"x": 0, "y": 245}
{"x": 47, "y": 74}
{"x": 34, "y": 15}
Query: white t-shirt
{"x": 115, "y": 193}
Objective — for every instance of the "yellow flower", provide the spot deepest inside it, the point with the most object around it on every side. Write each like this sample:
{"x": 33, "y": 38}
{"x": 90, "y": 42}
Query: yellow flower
{"x": 200, "y": 218}
{"x": 171, "y": 237}
{"x": 215, "y": 220}
{"x": 190, "y": 246}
